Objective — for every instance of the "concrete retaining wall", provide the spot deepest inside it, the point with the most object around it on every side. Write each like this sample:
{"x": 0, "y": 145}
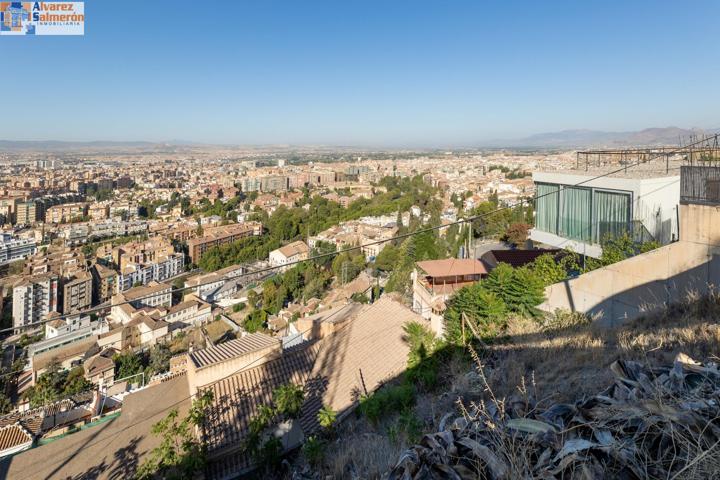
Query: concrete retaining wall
{"x": 650, "y": 281}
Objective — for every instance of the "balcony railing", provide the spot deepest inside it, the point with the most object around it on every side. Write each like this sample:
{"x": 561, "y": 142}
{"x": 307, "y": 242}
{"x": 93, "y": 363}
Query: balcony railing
{"x": 700, "y": 184}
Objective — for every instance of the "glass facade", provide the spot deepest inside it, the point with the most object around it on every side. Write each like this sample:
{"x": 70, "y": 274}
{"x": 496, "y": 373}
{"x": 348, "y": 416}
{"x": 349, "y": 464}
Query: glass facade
{"x": 582, "y": 214}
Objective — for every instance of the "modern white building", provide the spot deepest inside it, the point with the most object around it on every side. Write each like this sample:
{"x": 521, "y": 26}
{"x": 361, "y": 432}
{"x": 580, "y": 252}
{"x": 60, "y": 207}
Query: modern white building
{"x": 13, "y": 248}
{"x": 578, "y": 211}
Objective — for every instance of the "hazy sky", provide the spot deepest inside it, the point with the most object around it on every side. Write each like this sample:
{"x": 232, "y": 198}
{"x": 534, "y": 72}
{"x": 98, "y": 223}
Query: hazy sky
{"x": 385, "y": 72}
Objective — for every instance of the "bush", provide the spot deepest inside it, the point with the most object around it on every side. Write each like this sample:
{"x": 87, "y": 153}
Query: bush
{"x": 484, "y": 308}
{"x": 520, "y": 288}
{"x": 314, "y": 450}
{"x": 387, "y": 400}
{"x": 326, "y": 417}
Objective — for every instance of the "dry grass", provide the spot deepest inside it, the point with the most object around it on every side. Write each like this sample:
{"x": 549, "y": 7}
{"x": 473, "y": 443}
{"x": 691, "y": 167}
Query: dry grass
{"x": 573, "y": 360}
{"x": 216, "y": 329}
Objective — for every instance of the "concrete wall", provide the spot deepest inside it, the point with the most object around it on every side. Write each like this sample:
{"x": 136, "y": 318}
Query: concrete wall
{"x": 647, "y": 282}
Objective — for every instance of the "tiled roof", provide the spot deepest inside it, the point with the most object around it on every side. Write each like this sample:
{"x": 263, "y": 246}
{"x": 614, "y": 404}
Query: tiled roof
{"x": 13, "y": 435}
{"x": 237, "y": 398}
{"x": 294, "y": 248}
{"x": 449, "y": 267}
{"x": 93, "y": 452}
{"x": 42, "y": 360}
{"x": 362, "y": 355}
{"x": 232, "y": 349}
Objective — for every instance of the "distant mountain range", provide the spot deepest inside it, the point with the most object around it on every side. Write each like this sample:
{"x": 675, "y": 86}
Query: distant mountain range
{"x": 562, "y": 139}
{"x": 595, "y": 138}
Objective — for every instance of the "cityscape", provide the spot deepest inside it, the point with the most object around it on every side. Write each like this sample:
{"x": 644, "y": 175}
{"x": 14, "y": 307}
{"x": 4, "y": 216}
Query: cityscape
{"x": 455, "y": 293}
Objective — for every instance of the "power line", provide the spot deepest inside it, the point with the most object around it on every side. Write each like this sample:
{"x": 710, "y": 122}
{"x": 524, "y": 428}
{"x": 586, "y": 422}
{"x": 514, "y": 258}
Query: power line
{"x": 428, "y": 229}
{"x": 369, "y": 244}
{"x": 205, "y": 387}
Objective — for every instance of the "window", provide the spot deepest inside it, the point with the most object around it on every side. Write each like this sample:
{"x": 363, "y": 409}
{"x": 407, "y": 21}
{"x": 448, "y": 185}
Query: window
{"x": 546, "y": 207}
{"x": 575, "y": 213}
{"x": 611, "y": 214}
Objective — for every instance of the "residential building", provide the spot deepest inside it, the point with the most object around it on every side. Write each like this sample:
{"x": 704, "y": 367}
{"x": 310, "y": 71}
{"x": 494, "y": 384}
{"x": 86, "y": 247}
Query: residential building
{"x": 216, "y": 236}
{"x": 582, "y": 217}
{"x": 100, "y": 368}
{"x": 99, "y": 211}
{"x": 65, "y": 213}
{"x": 26, "y": 213}
{"x": 434, "y": 282}
{"x": 76, "y": 292}
{"x": 353, "y": 359}
{"x": 104, "y": 282}
{"x": 290, "y": 253}
{"x": 34, "y": 298}
{"x": 365, "y": 232}
{"x": 273, "y": 183}
{"x": 125, "y": 304}
{"x": 13, "y": 248}
{"x": 189, "y": 312}
{"x": 142, "y": 274}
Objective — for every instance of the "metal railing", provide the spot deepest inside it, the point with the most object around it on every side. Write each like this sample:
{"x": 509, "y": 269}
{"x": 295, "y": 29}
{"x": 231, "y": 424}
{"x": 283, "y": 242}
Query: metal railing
{"x": 700, "y": 184}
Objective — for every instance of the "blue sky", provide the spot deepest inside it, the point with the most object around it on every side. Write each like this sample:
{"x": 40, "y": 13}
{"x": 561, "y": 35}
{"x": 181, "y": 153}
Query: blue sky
{"x": 387, "y": 72}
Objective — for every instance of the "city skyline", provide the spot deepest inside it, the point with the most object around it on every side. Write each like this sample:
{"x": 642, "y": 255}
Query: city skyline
{"x": 365, "y": 74}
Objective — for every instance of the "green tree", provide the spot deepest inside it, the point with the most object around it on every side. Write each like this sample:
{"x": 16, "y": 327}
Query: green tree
{"x": 387, "y": 258}
{"x": 548, "y": 269}
{"x": 75, "y": 382}
{"x": 159, "y": 361}
{"x": 180, "y": 454}
{"x": 288, "y": 399}
{"x": 519, "y": 288}
{"x": 127, "y": 364}
{"x": 484, "y": 308}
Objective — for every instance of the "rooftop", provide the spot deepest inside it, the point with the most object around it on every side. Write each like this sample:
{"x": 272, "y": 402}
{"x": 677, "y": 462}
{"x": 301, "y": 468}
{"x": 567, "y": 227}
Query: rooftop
{"x": 146, "y": 290}
{"x": 451, "y": 267}
{"x": 113, "y": 449}
{"x": 294, "y": 248}
{"x": 233, "y": 349}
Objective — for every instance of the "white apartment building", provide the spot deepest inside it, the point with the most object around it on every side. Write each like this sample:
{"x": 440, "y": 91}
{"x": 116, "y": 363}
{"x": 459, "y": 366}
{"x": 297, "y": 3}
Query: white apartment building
{"x": 12, "y": 248}
{"x": 34, "y": 298}
{"x": 142, "y": 274}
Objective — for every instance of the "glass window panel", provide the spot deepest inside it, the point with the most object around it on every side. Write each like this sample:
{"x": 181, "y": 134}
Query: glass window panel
{"x": 612, "y": 214}
{"x": 575, "y": 213}
{"x": 546, "y": 207}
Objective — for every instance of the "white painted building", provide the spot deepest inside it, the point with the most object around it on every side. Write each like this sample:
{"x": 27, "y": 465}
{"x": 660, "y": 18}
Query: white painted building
{"x": 290, "y": 253}
{"x": 12, "y": 248}
{"x": 142, "y": 274}
{"x": 580, "y": 217}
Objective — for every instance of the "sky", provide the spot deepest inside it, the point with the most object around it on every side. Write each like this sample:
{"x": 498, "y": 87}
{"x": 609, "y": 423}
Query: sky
{"x": 366, "y": 73}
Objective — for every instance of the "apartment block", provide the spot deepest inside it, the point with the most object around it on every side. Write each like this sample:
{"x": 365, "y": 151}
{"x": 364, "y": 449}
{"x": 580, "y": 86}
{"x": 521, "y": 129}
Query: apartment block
{"x": 65, "y": 213}
{"x": 12, "y": 248}
{"x": 76, "y": 292}
{"x": 273, "y": 183}
{"x": 34, "y": 298}
{"x": 216, "y": 236}
{"x": 26, "y": 213}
